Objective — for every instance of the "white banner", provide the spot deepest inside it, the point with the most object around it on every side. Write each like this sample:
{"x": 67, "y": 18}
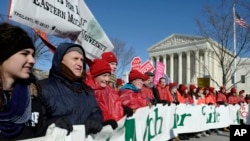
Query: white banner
{"x": 63, "y": 18}
{"x": 165, "y": 122}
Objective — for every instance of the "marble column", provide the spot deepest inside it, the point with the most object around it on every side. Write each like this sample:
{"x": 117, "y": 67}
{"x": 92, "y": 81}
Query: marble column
{"x": 172, "y": 67}
{"x": 197, "y": 64}
{"x": 165, "y": 63}
{"x": 180, "y": 67}
{"x": 188, "y": 67}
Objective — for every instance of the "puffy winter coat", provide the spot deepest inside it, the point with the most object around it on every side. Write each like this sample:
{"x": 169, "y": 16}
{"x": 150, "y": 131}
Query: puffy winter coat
{"x": 132, "y": 97}
{"x": 64, "y": 98}
{"x": 108, "y": 100}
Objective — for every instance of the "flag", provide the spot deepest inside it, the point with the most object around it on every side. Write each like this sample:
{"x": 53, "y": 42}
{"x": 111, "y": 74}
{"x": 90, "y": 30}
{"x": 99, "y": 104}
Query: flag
{"x": 240, "y": 21}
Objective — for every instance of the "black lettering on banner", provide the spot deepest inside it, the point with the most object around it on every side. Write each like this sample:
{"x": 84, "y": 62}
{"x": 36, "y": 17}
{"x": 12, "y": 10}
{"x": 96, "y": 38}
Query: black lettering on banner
{"x": 49, "y": 7}
{"x": 239, "y": 132}
{"x": 93, "y": 41}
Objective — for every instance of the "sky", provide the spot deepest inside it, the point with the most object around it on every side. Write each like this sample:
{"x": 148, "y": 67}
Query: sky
{"x": 141, "y": 24}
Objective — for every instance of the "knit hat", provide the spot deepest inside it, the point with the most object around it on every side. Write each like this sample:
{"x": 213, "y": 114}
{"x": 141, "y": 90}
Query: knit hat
{"x": 149, "y": 73}
{"x": 135, "y": 74}
{"x": 192, "y": 87}
{"x": 109, "y": 57}
{"x": 99, "y": 67}
{"x": 119, "y": 81}
{"x": 13, "y": 40}
{"x": 173, "y": 85}
{"x": 146, "y": 77}
{"x": 233, "y": 90}
{"x": 241, "y": 91}
{"x": 78, "y": 49}
{"x": 183, "y": 88}
{"x": 211, "y": 89}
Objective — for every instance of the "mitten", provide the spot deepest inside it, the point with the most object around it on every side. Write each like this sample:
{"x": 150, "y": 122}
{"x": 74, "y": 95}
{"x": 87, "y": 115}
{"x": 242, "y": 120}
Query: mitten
{"x": 128, "y": 111}
{"x": 64, "y": 123}
{"x": 111, "y": 122}
{"x": 92, "y": 126}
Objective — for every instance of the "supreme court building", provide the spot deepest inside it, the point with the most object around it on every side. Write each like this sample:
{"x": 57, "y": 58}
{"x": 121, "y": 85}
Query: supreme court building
{"x": 187, "y": 58}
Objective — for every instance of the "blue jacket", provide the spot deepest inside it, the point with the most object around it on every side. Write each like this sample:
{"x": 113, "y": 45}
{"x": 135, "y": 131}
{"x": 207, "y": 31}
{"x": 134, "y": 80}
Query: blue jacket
{"x": 58, "y": 98}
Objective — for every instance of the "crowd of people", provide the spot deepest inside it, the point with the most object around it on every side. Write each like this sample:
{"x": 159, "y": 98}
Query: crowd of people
{"x": 79, "y": 91}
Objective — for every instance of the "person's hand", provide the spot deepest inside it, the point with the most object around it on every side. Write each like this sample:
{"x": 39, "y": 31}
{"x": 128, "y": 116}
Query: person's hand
{"x": 176, "y": 102}
{"x": 92, "y": 126}
{"x": 210, "y": 103}
{"x": 128, "y": 111}
{"x": 111, "y": 122}
{"x": 154, "y": 102}
{"x": 55, "y": 133}
{"x": 64, "y": 123}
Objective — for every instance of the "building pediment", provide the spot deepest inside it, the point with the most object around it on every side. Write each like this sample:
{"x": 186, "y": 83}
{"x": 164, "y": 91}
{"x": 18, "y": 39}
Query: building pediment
{"x": 175, "y": 40}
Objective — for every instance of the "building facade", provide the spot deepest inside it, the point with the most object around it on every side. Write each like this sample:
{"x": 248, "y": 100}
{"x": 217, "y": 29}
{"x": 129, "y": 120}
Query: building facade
{"x": 188, "y": 59}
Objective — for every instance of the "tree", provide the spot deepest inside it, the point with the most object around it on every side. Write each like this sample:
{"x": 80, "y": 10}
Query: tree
{"x": 217, "y": 24}
{"x": 124, "y": 55}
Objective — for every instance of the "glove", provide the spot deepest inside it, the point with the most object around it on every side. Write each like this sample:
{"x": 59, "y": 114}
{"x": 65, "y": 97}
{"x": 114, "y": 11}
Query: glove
{"x": 164, "y": 102}
{"x": 154, "y": 102}
{"x": 111, "y": 122}
{"x": 220, "y": 102}
{"x": 64, "y": 123}
{"x": 176, "y": 102}
{"x": 169, "y": 103}
{"x": 55, "y": 133}
{"x": 210, "y": 103}
{"x": 128, "y": 111}
{"x": 92, "y": 126}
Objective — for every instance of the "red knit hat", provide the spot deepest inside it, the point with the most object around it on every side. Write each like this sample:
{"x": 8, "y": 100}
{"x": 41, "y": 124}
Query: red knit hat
{"x": 192, "y": 87}
{"x": 211, "y": 89}
{"x": 233, "y": 90}
{"x": 171, "y": 85}
{"x": 146, "y": 77}
{"x": 241, "y": 91}
{"x": 183, "y": 88}
{"x": 119, "y": 81}
{"x": 98, "y": 67}
{"x": 109, "y": 57}
{"x": 135, "y": 74}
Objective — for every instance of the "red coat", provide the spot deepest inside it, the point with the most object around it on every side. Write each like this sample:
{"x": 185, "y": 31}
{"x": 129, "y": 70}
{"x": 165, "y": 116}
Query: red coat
{"x": 233, "y": 99}
{"x": 108, "y": 100}
{"x": 133, "y": 99}
{"x": 147, "y": 92}
{"x": 210, "y": 98}
{"x": 221, "y": 97}
{"x": 164, "y": 93}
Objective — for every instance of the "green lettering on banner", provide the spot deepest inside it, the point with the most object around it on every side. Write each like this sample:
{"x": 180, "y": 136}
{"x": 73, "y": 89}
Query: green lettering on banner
{"x": 130, "y": 132}
{"x": 213, "y": 116}
{"x": 179, "y": 119}
{"x": 237, "y": 117}
{"x": 147, "y": 133}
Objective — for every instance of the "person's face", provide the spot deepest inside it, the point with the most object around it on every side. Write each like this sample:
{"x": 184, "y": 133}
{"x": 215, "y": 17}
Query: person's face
{"x": 147, "y": 82}
{"x": 74, "y": 61}
{"x": 151, "y": 78}
{"x": 138, "y": 83}
{"x": 163, "y": 82}
{"x": 103, "y": 79}
{"x": 19, "y": 65}
{"x": 113, "y": 66}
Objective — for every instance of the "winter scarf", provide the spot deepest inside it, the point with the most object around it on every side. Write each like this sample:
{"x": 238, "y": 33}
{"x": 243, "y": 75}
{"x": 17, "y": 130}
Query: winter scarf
{"x": 17, "y": 112}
